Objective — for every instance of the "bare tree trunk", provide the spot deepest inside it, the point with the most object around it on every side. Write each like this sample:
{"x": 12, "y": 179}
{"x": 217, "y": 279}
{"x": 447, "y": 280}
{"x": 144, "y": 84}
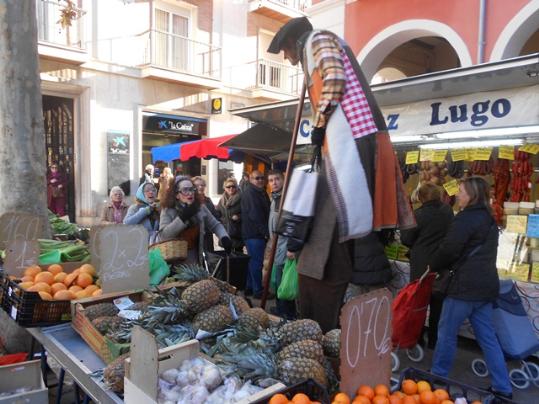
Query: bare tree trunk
{"x": 23, "y": 184}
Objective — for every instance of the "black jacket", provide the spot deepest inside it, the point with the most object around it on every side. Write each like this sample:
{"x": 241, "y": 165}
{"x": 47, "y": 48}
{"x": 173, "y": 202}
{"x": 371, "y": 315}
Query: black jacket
{"x": 371, "y": 266}
{"x": 433, "y": 220}
{"x": 255, "y": 207}
{"x": 476, "y": 276}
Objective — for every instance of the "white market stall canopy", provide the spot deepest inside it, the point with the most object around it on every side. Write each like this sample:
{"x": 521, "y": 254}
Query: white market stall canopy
{"x": 503, "y": 94}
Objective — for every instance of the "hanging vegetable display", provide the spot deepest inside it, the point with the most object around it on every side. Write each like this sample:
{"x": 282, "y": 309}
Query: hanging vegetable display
{"x": 501, "y": 185}
{"x": 521, "y": 171}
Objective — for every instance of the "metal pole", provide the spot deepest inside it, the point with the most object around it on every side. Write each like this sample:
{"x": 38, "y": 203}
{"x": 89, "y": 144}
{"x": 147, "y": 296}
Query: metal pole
{"x": 482, "y": 30}
{"x": 287, "y": 176}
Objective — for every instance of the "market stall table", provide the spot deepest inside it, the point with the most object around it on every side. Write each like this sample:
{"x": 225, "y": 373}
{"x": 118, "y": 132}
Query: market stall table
{"x": 65, "y": 346}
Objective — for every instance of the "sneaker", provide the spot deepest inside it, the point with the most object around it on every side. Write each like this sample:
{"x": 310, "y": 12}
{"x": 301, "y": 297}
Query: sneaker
{"x": 508, "y": 396}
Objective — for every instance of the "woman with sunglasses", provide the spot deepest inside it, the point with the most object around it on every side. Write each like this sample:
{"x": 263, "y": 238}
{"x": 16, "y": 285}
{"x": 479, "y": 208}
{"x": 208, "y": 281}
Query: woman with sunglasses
{"x": 184, "y": 218}
{"x": 145, "y": 211}
{"x": 230, "y": 208}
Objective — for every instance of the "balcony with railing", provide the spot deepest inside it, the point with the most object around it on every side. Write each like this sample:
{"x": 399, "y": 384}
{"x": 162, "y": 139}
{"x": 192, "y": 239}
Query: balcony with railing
{"x": 281, "y": 10}
{"x": 165, "y": 56}
{"x": 60, "y": 27}
{"x": 267, "y": 79}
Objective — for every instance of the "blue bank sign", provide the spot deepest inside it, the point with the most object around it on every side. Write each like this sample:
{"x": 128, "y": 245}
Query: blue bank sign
{"x": 513, "y": 107}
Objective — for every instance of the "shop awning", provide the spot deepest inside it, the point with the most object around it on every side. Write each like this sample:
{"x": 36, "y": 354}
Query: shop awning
{"x": 261, "y": 139}
{"x": 207, "y": 148}
{"x": 204, "y": 149}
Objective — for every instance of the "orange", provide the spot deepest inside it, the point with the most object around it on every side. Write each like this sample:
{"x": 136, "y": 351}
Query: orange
{"x": 278, "y": 399}
{"x": 76, "y": 271}
{"x": 451, "y": 402}
{"x": 341, "y": 398}
{"x": 91, "y": 289}
{"x": 69, "y": 279}
{"x": 427, "y": 397}
{"x": 84, "y": 280}
{"x": 395, "y": 399}
{"x": 46, "y": 277}
{"x": 27, "y": 278}
{"x": 361, "y": 400}
{"x": 55, "y": 269}
{"x": 366, "y": 391}
{"x": 301, "y": 398}
{"x": 75, "y": 288}
{"x": 32, "y": 270}
{"x": 380, "y": 400}
{"x": 60, "y": 277}
{"x": 88, "y": 269}
{"x": 64, "y": 295}
{"x": 40, "y": 287}
{"x": 81, "y": 294}
{"x": 45, "y": 296}
{"x": 476, "y": 402}
{"x": 98, "y": 292}
{"x": 26, "y": 285}
{"x": 57, "y": 286}
{"x": 408, "y": 400}
{"x": 409, "y": 387}
{"x": 417, "y": 398}
{"x": 381, "y": 390}
{"x": 441, "y": 394}
{"x": 422, "y": 386}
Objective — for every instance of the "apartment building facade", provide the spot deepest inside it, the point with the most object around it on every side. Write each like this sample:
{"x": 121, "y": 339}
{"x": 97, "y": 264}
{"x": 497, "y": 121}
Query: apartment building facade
{"x": 122, "y": 76}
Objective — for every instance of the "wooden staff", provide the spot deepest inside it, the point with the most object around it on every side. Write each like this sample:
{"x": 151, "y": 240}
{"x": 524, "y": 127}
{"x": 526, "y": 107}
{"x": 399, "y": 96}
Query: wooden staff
{"x": 287, "y": 176}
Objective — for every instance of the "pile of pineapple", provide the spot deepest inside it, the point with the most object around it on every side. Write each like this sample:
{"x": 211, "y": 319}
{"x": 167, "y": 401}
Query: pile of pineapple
{"x": 243, "y": 341}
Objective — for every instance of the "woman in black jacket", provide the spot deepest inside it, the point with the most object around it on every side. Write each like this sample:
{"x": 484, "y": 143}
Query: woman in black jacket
{"x": 470, "y": 249}
{"x": 229, "y": 207}
{"x": 433, "y": 220}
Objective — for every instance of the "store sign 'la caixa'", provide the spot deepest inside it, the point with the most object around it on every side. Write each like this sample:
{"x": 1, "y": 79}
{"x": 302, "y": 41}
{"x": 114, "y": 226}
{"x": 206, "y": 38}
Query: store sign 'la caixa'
{"x": 172, "y": 124}
{"x": 494, "y": 109}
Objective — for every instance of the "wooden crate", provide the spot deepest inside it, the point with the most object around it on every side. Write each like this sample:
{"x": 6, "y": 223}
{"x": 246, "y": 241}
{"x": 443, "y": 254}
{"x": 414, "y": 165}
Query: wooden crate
{"x": 107, "y": 349}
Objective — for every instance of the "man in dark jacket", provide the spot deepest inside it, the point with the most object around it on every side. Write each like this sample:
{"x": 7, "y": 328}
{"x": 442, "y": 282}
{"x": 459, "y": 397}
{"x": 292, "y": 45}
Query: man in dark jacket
{"x": 255, "y": 207}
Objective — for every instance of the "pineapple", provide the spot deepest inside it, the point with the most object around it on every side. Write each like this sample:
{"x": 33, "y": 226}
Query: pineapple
{"x": 223, "y": 286}
{"x": 190, "y": 273}
{"x": 300, "y": 330}
{"x": 240, "y": 304}
{"x": 214, "y": 319}
{"x": 260, "y": 315}
{"x": 302, "y": 349}
{"x": 100, "y": 310}
{"x": 331, "y": 342}
{"x": 107, "y": 323}
{"x": 114, "y": 374}
{"x": 201, "y": 296}
{"x": 295, "y": 370}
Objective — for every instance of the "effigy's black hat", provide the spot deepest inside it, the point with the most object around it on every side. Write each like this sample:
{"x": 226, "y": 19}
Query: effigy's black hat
{"x": 293, "y": 29}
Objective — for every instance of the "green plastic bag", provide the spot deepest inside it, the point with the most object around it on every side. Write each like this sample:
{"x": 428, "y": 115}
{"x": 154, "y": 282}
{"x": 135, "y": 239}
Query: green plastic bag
{"x": 273, "y": 279}
{"x": 289, "y": 288}
{"x": 159, "y": 268}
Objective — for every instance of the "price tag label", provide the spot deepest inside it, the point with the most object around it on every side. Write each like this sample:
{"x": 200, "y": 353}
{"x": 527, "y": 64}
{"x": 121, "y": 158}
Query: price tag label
{"x": 412, "y": 157}
{"x": 517, "y": 224}
{"x": 426, "y": 155}
{"x": 530, "y": 148}
{"x": 482, "y": 154}
{"x": 458, "y": 154}
{"x": 439, "y": 156}
{"x": 470, "y": 154}
{"x": 130, "y": 314}
{"x": 451, "y": 187}
{"x": 123, "y": 303}
{"x": 506, "y": 152}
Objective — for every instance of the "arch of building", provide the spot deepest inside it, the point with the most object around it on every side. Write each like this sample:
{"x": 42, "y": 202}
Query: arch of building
{"x": 516, "y": 32}
{"x": 381, "y": 45}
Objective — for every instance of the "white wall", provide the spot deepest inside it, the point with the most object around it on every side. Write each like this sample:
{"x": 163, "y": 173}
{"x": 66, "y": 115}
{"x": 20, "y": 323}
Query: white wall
{"x": 328, "y": 14}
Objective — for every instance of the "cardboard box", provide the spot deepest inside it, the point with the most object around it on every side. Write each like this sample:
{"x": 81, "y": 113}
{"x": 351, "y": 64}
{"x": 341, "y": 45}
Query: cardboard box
{"x": 19, "y": 375}
{"x": 146, "y": 363}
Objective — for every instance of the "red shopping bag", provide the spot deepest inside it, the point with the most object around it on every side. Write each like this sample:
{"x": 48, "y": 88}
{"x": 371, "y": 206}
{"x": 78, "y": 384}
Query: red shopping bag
{"x": 410, "y": 311}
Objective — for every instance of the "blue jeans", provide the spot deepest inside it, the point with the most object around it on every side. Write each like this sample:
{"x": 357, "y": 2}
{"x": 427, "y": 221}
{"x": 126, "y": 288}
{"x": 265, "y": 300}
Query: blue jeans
{"x": 454, "y": 312}
{"x": 255, "y": 249}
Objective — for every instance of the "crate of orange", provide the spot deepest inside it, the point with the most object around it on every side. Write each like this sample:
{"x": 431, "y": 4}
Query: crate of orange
{"x": 43, "y": 295}
{"x": 307, "y": 392}
{"x": 425, "y": 388}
